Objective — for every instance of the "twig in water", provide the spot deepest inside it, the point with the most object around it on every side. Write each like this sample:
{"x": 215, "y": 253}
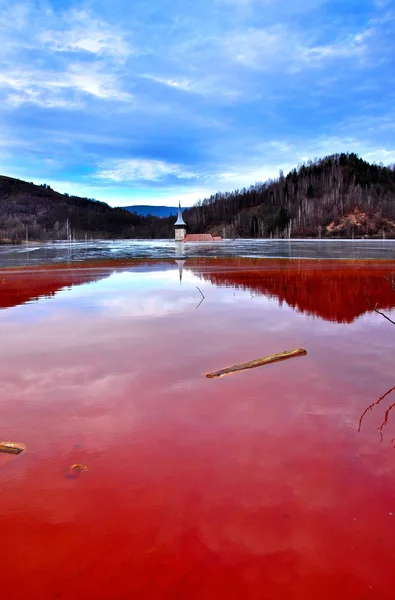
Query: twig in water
{"x": 374, "y": 404}
{"x": 203, "y": 297}
{"x": 384, "y": 423}
{"x": 375, "y": 307}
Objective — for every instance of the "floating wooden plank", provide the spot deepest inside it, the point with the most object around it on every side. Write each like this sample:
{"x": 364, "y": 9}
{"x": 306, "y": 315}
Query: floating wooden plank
{"x": 11, "y": 447}
{"x": 259, "y": 362}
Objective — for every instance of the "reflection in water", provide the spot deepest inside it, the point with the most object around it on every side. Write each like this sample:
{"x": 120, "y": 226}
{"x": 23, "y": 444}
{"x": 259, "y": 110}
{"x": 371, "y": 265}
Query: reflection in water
{"x": 22, "y": 287}
{"x": 329, "y": 290}
{"x": 252, "y": 487}
{"x": 333, "y": 291}
{"x": 180, "y": 265}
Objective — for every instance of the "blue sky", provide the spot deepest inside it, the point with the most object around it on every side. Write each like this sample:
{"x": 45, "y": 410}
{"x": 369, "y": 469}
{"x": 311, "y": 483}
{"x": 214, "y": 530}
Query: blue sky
{"x": 133, "y": 102}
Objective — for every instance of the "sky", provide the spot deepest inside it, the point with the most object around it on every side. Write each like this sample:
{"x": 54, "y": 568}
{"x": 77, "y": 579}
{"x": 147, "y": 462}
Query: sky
{"x": 136, "y": 102}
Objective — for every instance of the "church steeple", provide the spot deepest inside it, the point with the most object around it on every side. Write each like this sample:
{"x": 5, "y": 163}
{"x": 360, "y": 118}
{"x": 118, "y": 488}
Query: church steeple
{"x": 180, "y": 264}
{"x": 180, "y": 226}
{"x": 180, "y": 220}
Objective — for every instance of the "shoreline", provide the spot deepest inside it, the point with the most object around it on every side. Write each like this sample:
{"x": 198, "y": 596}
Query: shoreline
{"x": 6, "y": 243}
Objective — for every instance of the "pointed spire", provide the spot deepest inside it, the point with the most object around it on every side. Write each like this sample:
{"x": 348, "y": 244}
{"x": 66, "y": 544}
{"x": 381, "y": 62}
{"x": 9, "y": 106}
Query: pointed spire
{"x": 180, "y": 220}
{"x": 180, "y": 264}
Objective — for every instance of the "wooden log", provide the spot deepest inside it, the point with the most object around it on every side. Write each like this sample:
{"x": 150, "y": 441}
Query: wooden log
{"x": 11, "y": 448}
{"x": 259, "y": 362}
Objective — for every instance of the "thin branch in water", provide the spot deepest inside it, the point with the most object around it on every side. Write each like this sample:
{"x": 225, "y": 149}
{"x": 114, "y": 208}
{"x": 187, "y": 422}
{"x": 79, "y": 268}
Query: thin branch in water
{"x": 374, "y": 404}
{"x": 384, "y": 423}
{"x": 376, "y": 309}
{"x": 203, "y": 297}
{"x": 201, "y": 292}
{"x": 200, "y": 302}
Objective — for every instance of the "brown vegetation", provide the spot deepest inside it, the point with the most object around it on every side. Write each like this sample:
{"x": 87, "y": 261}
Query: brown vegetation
{"x": 360, "y": 224}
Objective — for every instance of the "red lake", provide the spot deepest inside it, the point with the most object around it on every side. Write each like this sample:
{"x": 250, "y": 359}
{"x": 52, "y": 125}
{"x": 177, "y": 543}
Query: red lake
{"x": 271, "y": 484}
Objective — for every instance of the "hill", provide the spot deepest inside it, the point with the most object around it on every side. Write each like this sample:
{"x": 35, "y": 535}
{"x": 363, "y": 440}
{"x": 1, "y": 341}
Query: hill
{"x": 44, "y": 214}
{"x": 337, "y": 196}
{"x": 154, "y": 211}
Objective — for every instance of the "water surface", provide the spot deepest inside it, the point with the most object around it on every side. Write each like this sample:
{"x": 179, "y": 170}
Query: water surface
{"x": 258, "y": 485}
{"x": 163, "y": 249}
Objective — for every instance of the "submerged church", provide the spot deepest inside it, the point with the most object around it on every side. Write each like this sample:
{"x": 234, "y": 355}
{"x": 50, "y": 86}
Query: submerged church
{"x": 181, "y": 231}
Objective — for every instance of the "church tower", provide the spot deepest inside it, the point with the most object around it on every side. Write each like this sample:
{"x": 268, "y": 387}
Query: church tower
{"x": 180, "y": 226}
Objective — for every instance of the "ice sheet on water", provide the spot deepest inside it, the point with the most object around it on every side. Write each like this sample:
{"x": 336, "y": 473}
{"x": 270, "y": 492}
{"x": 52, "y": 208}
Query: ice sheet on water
{"x": 65, "y": 252}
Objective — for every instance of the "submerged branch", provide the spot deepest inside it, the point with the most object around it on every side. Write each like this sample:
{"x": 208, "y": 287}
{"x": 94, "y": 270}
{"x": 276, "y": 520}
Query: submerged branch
{"x": 375, "y": 307}
{"x": 384, "y": 423}
{"x": 374, "y": 404}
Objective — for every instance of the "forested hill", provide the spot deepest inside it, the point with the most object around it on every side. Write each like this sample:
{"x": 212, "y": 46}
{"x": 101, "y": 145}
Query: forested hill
{"x": 43, "y": 214}
{"x": 337, "y": 196}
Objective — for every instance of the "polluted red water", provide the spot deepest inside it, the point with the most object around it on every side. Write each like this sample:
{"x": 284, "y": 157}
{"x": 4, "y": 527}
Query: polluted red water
{"x": 141, "y": 478}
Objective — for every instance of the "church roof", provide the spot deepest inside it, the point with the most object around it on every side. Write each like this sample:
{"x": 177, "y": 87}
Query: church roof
{"x": 180, "y": 220}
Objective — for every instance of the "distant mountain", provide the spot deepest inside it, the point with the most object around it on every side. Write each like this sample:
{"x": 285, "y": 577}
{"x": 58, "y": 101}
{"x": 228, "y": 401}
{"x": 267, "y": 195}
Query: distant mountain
{"x": 154, "y": 211}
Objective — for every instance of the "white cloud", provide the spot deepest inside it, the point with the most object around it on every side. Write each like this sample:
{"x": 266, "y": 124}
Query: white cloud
{"x": 265, "y": 49}
{"x": 78, "y": 54}
{"x": 95, "y": 81}
{"x": 211, "y": 79}
{"x": 244, "y": 177}
{"x": 294, "y": 153}
{"x": 180, "y": 84}
{"x": 143, "y": 170}
{"x": 257, "y": 48}
{"x": 156, "y": 305}
{"x": 202, "y": 84}
{"x": 48, "y": 88}
{"x": 380, "y": 155}
{"x": 81, "y": 31}
{"x": 351, "y": 46}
